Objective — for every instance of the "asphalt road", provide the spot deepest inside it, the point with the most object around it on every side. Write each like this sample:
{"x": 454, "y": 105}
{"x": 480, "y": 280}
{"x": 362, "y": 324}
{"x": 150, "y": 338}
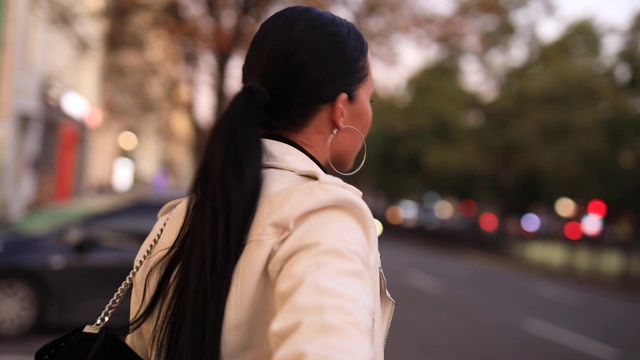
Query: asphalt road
{"x": 459, "y": 305}
{"x": 462, "y": 305}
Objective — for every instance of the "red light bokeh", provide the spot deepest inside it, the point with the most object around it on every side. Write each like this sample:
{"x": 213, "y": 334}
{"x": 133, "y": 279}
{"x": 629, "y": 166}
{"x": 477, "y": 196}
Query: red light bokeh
{"x": 573, "y": 230}
{"x": 488, "y": 222}
{"x": 468, "y": 208}
{"x": 597, "y": 207}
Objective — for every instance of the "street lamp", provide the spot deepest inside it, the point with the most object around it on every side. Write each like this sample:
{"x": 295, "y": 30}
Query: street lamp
{"x": 74, "y": 105}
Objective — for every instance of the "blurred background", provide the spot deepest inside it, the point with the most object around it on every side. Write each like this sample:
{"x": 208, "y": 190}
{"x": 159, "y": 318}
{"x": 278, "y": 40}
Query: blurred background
{"x": 503, "y": 164}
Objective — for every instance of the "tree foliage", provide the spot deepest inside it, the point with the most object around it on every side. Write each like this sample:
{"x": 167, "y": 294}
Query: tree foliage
{"x": 563, "y": 122}
{"x": 562, "y": 125}
{"x": 223, "y": 28}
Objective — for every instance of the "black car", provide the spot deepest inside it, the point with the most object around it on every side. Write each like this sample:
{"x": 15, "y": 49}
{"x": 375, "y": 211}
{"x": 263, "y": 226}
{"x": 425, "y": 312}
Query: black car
{"x": 59, "y": 267}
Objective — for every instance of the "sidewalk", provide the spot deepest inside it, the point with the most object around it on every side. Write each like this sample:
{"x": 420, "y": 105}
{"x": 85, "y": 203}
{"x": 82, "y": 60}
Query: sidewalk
{"x": 605, "y": 264}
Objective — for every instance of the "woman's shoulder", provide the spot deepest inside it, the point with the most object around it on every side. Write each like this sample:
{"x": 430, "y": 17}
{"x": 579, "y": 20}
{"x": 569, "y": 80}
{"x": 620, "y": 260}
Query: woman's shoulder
{"x": 172, "y": 205}
{"x": 291, "y": 197}
{"x": 310, "y": 187}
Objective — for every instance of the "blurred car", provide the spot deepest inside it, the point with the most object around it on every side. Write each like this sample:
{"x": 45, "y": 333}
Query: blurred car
{"x": 60, "y": 266}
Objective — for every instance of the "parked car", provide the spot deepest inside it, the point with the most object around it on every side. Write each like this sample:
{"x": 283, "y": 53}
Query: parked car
{"x": 60, "y": 266}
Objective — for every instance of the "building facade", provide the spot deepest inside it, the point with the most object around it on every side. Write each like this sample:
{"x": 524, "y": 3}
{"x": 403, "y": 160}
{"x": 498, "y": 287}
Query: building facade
{"x": 49, "y": 84}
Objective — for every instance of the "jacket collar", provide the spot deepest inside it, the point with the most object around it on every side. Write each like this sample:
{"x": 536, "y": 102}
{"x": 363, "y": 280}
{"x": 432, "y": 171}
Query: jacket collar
{"x": 278, "y": 155}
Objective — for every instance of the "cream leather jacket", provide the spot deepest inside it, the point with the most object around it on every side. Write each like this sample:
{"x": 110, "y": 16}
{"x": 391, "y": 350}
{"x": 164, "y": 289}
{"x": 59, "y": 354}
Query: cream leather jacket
{"x": 309, "y": 283}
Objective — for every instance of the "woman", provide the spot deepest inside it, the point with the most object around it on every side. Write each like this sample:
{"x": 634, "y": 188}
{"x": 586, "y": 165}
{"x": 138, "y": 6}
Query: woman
{"x": 271, "y": 257}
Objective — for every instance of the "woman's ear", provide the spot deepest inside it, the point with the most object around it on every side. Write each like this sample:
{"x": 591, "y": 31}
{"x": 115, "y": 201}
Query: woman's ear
{"x": 339, "y": 110}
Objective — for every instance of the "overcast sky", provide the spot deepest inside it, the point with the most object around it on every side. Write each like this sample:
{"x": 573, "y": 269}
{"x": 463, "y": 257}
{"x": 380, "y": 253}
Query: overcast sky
{"x": 613, "y": 12}
{"x": 607, "y": 14}
{"x": 617, "y": 14}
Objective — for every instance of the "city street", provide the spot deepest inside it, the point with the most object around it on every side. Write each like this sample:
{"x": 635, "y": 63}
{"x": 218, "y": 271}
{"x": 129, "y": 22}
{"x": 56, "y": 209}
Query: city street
{"x": 454, "y": 304}
{"x": 459, "y": 305}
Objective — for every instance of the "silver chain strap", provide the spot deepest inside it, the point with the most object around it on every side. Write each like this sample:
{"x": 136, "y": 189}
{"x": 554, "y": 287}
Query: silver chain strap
{"x": 126, "y": 284}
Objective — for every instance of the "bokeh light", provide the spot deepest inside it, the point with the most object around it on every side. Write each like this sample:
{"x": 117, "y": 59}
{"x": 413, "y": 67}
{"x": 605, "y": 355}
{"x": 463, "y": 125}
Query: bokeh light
{"x": 468, "y": 208}
{"x": 591, "y": 225}
{"x": 530, "y": 222}
{"x": 410, "y": 212}
{"x": 565, "y": 207}
{"x": 94, "y": 118}
{"x": 573, "y": 230}
{"x": 394, "y": 215}
{"x": 430, "y": 198}
{"x": 444, "y": 210}
{"x": 488, "y": 222}
{"x": 127, "y": 140}
{"x": 74, "y": 105}
{"x": 123, "y": 174}
{"x": 379, "y": 227}
{"x": 597, "y": 207}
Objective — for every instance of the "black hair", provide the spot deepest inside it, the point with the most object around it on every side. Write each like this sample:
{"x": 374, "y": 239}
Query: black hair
{"x": 304, "y": 57}
{"x": 300, "y": 59}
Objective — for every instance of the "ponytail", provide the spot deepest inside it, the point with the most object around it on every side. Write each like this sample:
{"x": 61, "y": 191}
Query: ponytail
{"x": 192, "y": 290}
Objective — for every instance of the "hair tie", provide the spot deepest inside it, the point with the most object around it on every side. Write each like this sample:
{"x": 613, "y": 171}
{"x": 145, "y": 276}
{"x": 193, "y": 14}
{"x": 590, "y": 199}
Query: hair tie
{"x": 259, "y": 92}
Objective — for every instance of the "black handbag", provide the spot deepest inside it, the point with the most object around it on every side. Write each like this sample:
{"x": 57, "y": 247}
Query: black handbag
{"x": 82, "y": 343}
{"x": 96, "y": 342}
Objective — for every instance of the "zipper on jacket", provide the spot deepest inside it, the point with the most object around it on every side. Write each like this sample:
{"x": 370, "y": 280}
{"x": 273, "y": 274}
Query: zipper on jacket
{"x": 393, "y": 306}
{"x": 386, "y": 333}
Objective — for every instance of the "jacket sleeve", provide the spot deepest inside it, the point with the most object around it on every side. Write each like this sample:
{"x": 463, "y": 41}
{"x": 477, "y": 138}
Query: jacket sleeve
{"x": 323, "y": 290}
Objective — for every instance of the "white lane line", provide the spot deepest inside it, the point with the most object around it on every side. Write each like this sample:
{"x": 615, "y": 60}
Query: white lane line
{"x": 423, "y": 281}
{"x": 569, "y": 339}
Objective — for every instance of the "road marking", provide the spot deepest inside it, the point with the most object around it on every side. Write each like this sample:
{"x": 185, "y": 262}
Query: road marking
{"x": 423, "y": 281}
{"x": 569, "y": 339}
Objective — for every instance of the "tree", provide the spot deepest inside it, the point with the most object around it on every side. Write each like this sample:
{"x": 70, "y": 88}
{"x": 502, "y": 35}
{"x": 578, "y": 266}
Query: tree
{"x": 428, "y": 142}
{"x": 559, "y": 127}
{"x": 141, "y": 83}
{"x": 555, "y": 110}
{"x": 624, "y": 132}
{"x": 224, "y": 28}
{"x": 433, "y": 140}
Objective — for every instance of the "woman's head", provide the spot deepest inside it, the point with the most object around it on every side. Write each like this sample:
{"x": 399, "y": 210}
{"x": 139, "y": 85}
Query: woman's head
{"x": 304, "y": 58}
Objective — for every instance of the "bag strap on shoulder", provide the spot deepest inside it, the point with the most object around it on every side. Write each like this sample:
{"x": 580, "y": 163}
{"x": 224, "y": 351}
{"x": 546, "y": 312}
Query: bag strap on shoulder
{"x": 124, "y": 287}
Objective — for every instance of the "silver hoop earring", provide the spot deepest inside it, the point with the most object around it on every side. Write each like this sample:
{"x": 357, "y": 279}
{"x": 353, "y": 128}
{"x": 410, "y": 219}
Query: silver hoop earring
{"x": 364, "y": 143}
